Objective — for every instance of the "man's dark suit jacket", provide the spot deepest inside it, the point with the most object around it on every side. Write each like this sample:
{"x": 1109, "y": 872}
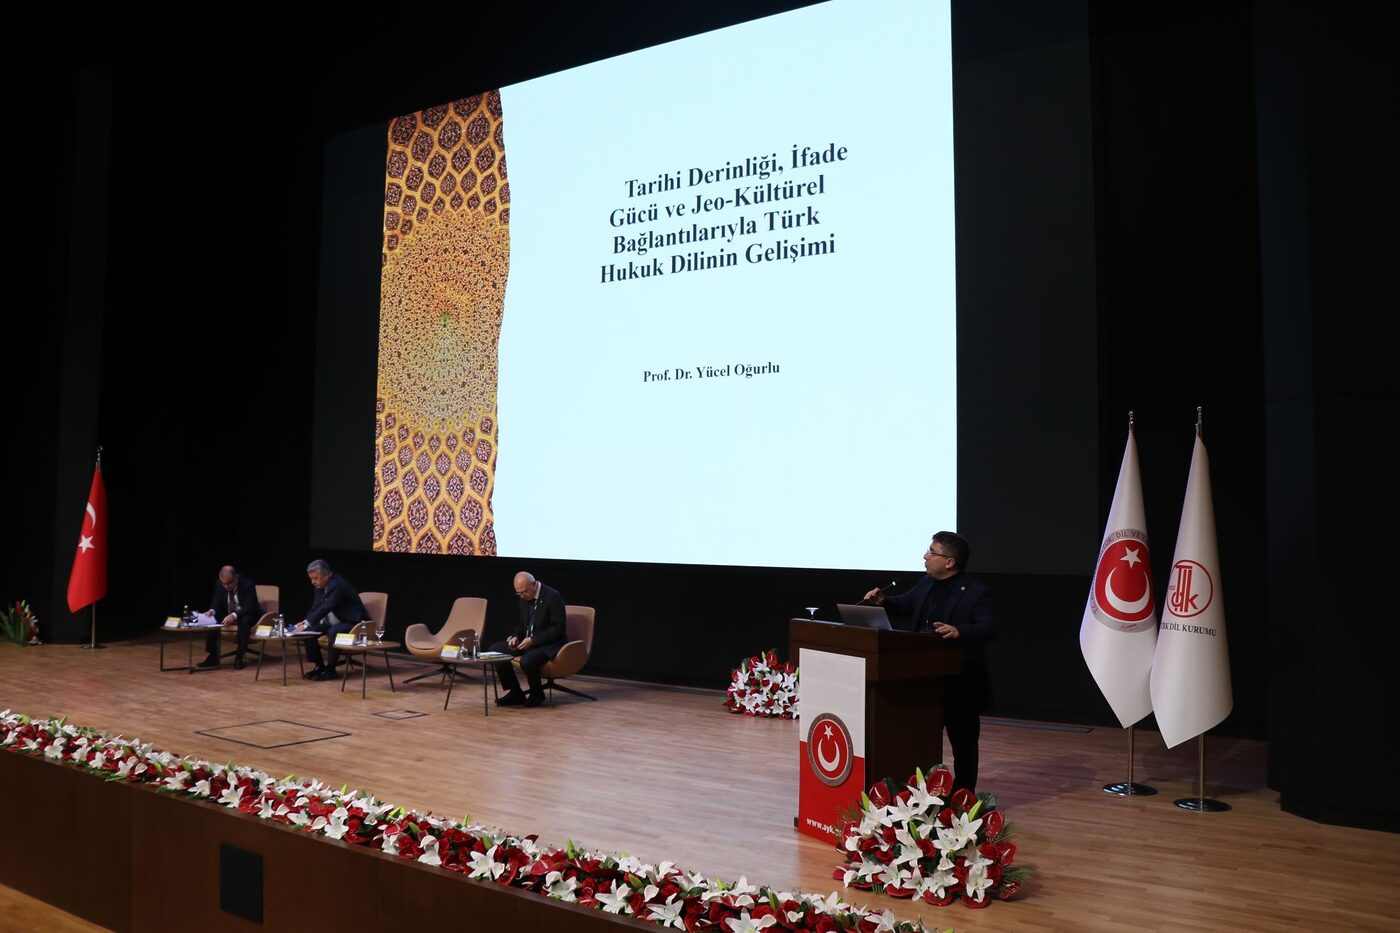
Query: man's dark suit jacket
{"x": 248, "y": 609}
{"x": 550, "y": 628}
{"x": 336, "y": 596}
{"x": 970, "y": 609}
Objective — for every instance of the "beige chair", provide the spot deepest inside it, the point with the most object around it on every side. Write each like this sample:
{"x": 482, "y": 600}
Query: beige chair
{"x": 467, "y": 617}
{"x": 578, "y": 621}
{"x": 377, "y": 605}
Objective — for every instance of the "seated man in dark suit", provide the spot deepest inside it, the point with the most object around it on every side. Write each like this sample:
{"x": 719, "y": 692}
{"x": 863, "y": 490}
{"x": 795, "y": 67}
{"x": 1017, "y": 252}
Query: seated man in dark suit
{"x": 235, "y": 600}
{"x": 948, "y": 604}
{"x": 336, "y": 608}
{"x": 537, "y": 639}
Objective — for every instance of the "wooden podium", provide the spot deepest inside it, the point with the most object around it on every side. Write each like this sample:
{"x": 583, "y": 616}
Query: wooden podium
{"x": 903, "y": 690}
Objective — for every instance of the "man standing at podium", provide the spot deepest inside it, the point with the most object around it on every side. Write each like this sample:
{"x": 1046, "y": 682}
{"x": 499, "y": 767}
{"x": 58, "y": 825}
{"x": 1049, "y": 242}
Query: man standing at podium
{"x": 947, "y": 604}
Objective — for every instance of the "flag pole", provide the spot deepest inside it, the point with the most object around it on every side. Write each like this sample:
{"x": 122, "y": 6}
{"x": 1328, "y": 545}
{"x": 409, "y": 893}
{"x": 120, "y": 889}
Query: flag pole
{"x": 1129, "y": 788}
{"x": 1201, "y": 803}
{"x": 92, "y": 637}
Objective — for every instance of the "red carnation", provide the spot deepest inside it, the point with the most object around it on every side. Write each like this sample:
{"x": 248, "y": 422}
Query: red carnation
{"x": 879, "y": 795}
{"x": 963, "y": 799}
{"x": 993, "y": 823}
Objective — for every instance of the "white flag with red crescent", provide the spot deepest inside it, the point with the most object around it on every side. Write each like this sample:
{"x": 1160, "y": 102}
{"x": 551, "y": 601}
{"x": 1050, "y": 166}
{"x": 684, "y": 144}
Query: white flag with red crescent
{"x": 1191, "y": 671}
{"x": 1119, "y": 631}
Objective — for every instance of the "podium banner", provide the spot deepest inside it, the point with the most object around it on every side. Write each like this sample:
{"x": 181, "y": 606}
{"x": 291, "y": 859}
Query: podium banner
{"x": 831, "y": 740}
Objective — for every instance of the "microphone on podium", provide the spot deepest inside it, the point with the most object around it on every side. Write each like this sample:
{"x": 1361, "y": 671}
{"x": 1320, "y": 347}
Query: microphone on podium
{"x": 883, "y": 589}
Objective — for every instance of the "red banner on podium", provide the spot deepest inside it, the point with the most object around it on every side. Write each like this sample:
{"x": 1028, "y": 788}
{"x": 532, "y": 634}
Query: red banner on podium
{"x": 831, "y": 740}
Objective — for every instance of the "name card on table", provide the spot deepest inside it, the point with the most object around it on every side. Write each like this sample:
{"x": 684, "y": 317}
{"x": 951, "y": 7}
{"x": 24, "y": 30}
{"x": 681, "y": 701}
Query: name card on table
{"x": 451, "y": 651}
{"x": 172, "y": 621}
{"x": 344, "y": 640}
{"x": 263, "y": 631}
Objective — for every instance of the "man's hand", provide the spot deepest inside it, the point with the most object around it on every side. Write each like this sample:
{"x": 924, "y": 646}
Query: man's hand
{"x": 524, "y": 644}
{"x": 510, "y": 642}
{"x": 945, "y": 630}
{"x": 229, "y": 619}
{"x": 876, "y": 596}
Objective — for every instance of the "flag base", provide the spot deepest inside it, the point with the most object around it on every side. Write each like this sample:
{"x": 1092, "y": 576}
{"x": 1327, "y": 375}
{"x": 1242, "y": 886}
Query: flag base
{"x": 1129, "y": 789}
{"x": 91, "y": 644}
{"x": 1203, "y": 805}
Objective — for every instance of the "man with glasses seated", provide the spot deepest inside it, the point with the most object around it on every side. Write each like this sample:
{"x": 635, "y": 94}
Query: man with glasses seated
{"x": 948, "y": 604}
{"x": 336, "y": 608}
{"x": 537, "y": 639}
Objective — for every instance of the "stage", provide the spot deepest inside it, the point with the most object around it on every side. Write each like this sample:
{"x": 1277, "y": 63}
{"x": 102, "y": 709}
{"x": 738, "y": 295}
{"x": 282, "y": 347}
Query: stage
{"x": 668, "y": 774}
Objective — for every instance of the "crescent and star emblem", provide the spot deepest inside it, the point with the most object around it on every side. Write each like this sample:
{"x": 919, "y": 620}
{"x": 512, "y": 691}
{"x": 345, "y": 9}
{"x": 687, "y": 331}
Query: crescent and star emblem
{"x": 85, "y": 541}
{"x": 829, "y": 750}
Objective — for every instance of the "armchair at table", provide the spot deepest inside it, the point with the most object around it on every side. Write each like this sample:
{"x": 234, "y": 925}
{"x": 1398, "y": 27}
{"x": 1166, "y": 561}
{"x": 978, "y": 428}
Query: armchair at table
{"x": 578, "y": 622}
{"x": 377, "y": 605}
{"x": 467, "y": 616}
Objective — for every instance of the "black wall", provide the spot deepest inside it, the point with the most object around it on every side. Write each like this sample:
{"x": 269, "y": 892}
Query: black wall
{"x": 1244, "y": 207}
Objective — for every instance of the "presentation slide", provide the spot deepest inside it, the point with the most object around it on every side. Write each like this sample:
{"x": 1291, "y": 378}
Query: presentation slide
{"x": 695, "y": 304}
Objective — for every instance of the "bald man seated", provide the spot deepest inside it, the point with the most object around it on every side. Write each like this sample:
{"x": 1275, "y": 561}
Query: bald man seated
{"x": 537, "y": 639}
{"x": 235, "y": 600}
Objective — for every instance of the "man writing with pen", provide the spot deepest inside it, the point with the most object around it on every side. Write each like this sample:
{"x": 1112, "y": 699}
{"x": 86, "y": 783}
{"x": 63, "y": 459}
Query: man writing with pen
{"x": 536, "y": 639}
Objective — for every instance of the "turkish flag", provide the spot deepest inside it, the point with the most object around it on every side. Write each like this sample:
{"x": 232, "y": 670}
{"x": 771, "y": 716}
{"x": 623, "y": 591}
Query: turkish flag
{"x": 1118, "y": 634}
{"x": 88, "y": 581}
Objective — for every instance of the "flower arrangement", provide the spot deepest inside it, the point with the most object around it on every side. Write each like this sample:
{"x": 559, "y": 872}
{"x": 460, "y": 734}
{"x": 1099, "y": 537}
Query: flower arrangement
{"x": 20, "y": 624}
{"x": 763, "y": 686}
{"x": 925, "y": 840}
{"x": 659, "y": 894}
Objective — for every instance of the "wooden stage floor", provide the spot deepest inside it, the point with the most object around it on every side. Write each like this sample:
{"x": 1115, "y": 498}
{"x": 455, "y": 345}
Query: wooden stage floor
{"x": 668, "y": 774}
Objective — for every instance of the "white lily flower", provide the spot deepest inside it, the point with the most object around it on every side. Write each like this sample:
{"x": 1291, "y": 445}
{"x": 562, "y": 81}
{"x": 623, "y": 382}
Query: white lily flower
{"x": 335, "y": 824}
{"x": 98, "y": 761}
{"x": 561, "y": 888}
{"x": 299, "y": 818}
{"x": 232, "y": 796}
{"x": 484, "y": 865}
{"x": 887, "y": 922}
{"x": 746, "y": 924}
{"x": 389, "y": 842}
{"x": 963, "y": 830}
{"x": 203, "y": 788}
{"x": 430, "y": 850}
{"x": 176, "y": 781}
{"x": 55, "y": 750}
{"x": 669, "y": 914}
{"x": 265, "y": 810}
{"x": 899, "y": 814}
{"x": 615, "y": 901}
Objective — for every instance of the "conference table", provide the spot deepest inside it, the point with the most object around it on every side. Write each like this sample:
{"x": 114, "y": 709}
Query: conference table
{"x": 285, "y": 644}
{"x": 190, "y": 633}
{"x": 365, "y": 649}
{"x": 488, "y": 675}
